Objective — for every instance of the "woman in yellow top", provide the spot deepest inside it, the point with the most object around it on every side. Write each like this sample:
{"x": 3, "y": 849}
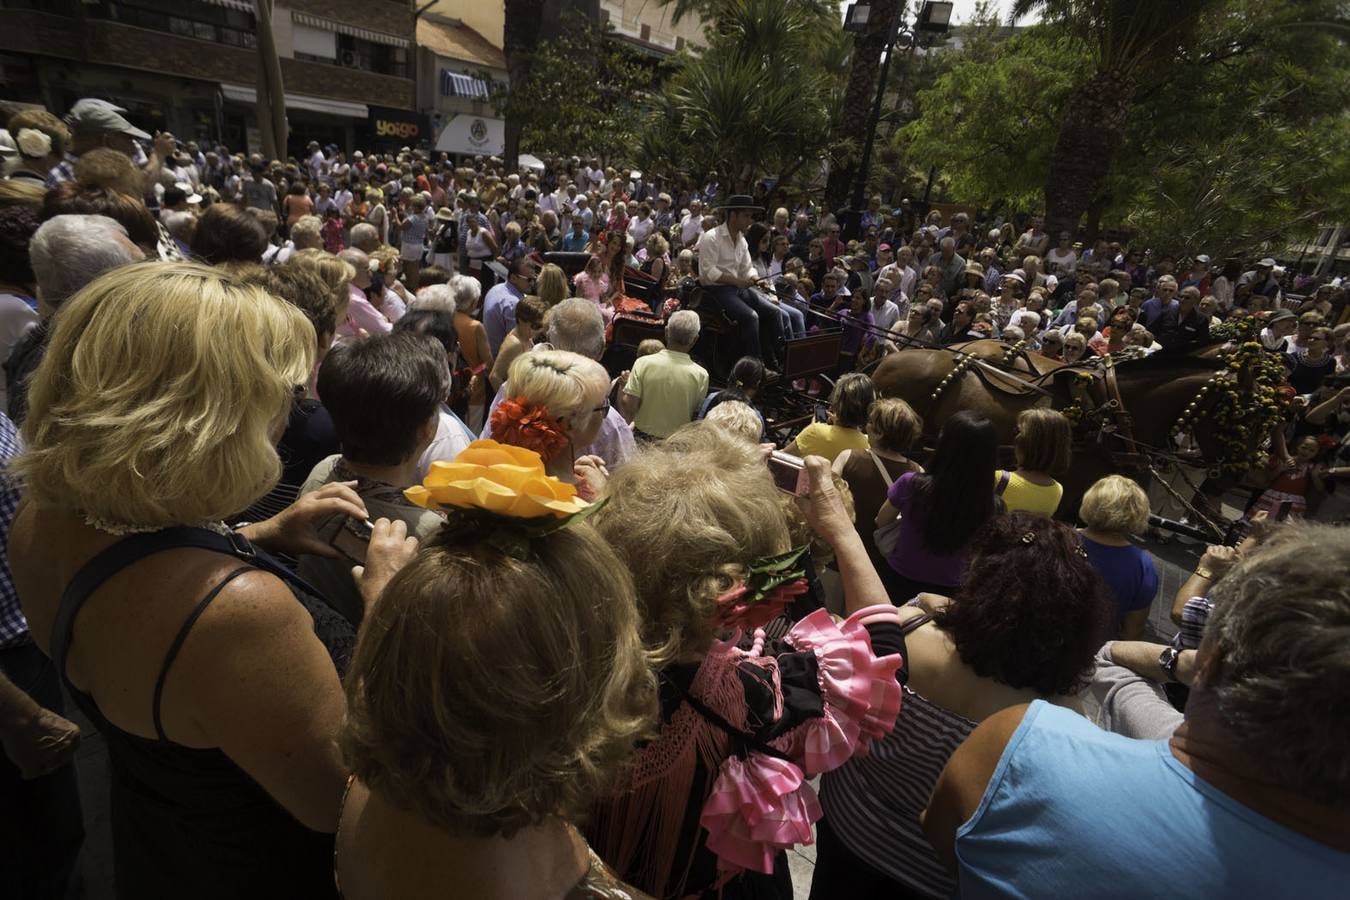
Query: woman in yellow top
{"x": 1043, "y": 445}
{"x": 849, "y": 403}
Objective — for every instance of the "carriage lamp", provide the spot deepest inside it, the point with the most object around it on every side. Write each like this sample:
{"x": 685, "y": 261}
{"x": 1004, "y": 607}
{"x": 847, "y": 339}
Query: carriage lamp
{"x": 857, "y": 16}
{"x": 935, "y": 16}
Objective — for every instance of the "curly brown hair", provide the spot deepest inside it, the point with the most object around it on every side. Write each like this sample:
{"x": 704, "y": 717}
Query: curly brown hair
{"x": 1031, "y": 611}
{"x": 489, "y": 692}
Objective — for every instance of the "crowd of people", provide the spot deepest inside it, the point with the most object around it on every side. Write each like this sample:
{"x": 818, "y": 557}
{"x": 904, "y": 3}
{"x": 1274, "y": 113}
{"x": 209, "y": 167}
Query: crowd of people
{"x": 320, "y": 505}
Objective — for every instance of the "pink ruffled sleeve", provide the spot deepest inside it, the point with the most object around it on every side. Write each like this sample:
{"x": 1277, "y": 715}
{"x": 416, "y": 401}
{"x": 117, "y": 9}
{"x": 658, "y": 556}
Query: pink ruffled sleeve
{"x": 860, "y": 693}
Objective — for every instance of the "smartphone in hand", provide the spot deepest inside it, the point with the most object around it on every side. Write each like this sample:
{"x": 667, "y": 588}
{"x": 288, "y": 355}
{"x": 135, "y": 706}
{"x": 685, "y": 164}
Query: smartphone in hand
{"x": 352, "y": 539}
{"x": 789, "y": 473}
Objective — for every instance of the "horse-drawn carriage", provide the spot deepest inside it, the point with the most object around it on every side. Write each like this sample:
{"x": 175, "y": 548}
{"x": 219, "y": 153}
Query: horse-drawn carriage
{"x": 788, "y": 402}
{"x": 1224, "y": 399}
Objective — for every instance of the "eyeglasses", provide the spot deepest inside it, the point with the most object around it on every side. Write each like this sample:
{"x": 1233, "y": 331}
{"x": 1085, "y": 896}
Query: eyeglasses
{"x": 603, "y": 408}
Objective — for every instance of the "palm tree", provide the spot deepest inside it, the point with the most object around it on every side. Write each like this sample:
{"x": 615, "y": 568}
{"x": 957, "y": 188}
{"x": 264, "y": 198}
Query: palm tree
{"x": 1127, "y": 38}
{"x": 752, "y": 103}
{"x": 859, "y": 95}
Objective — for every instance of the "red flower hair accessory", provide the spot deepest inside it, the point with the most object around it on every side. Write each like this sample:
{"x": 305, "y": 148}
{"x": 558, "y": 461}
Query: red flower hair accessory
{"x": 531, "y": 426}
{"x": 771, "y": 585}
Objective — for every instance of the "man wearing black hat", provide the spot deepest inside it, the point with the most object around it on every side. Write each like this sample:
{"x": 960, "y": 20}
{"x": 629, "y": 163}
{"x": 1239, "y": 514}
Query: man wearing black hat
{"x": 727, "y": 276}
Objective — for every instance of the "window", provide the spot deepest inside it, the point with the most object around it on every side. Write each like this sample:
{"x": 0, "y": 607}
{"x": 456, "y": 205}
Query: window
{"x": 194, "y": 19}
{"x": 356, "y": 53}
{"x": 646, "y": 32}
{"x": 679, "y": 44}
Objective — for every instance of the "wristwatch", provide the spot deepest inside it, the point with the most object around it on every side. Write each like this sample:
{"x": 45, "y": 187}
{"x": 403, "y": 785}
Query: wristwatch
{"x": 1167, "y": 661}
{"x": 1204, "y": 573}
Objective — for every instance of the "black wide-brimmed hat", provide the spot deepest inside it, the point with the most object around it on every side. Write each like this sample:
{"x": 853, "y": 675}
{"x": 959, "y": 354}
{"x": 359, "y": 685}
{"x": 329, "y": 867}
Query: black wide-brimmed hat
{"x": 740, "y": 201}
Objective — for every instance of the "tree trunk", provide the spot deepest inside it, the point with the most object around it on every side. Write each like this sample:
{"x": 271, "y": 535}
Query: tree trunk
{"x": 1090, "y": 134}
{"x": 520, "y": 36}
{"x": 270, "y": 105}
{"x": 859, "y": 96}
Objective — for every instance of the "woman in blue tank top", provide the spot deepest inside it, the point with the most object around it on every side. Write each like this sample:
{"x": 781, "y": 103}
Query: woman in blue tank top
{"x": 1250, "y": 797}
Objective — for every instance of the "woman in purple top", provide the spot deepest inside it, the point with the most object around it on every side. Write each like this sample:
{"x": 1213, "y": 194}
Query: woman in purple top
{"x": 941, "y": 509}
{"x": 858, "y": 324}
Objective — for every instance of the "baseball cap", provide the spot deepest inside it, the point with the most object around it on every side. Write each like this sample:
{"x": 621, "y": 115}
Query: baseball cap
{"x": 92, "y": 114}
{"x": 1202, "y": 259}
{"x": 886, "y": 248}
{"x": 1267, "y": 263}
{"x": 1280, "y": 315}
{"x": 191, "y": 195}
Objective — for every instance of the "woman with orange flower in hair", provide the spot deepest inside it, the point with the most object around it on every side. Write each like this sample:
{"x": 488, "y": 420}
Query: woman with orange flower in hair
{"x": 557, "y": 403}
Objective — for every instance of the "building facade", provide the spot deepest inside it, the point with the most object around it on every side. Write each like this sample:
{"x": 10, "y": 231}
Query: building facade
{"x": 459, "y": 71}
{"x": 650, "y": 26}
{"x": 190, "y": 66}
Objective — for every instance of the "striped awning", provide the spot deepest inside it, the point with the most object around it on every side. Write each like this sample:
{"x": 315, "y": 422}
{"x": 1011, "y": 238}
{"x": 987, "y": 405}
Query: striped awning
{"x": 237, "y": 5}
{"x": 455, "y": 84}
{"x": 365, "y": 34}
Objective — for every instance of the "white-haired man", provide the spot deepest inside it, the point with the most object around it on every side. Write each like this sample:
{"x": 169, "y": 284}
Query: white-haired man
{"x": 67, "y": 253}
{"x": 664, "y": 390}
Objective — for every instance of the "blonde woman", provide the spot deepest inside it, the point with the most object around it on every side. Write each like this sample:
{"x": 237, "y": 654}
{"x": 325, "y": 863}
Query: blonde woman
{"x": 1044, "y": 446}
{"x": 698, "y": 520}
{"x": 551, "y": 285}
{"x": 210, "y": 670}
{"x": 1113, "y": 510}
{"x": 556, "y": 403}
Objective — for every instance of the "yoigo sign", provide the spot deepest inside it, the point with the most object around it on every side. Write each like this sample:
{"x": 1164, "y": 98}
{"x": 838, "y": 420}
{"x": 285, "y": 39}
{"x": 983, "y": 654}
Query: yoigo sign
{"x": 398, "y": 125}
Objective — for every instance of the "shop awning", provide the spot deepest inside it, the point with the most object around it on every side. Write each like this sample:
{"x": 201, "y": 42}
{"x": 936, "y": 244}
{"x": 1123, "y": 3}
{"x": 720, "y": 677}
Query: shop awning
{"x": 473, "y": 136}
{"x": 455, "y": 84}
{"x": 530, "y": 161}
{"x": 237, "y": 5}
{"x": 240, "y": 93}
{"x": 365, "y": 34}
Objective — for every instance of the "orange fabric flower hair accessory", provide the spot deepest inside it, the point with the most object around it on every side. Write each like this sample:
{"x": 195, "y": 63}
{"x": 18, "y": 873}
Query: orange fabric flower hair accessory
{"x": 497, "y": 478}
{"x": 499, "y": 495}
{"x": 531, "y": 426}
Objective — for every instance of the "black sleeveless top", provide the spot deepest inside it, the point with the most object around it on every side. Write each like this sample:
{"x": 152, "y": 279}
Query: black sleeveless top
{"x": 188, "y": 822}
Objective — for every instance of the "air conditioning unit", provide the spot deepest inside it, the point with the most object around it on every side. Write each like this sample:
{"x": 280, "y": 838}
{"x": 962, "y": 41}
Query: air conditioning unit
{"x": 348, "y": 58}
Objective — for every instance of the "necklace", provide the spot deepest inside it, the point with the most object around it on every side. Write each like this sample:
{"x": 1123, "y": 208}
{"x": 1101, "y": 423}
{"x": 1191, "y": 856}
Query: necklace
{"x": 122, "y": 529}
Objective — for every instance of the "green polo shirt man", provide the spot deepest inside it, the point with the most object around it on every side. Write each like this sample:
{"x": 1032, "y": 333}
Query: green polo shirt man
{"x": 664, "y": 390}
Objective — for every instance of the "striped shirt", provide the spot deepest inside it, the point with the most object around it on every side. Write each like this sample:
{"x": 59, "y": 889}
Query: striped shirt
{"x": 1194, "y": 618}
{"x": 873, "y": 802}
{"x": 13, "y": 626}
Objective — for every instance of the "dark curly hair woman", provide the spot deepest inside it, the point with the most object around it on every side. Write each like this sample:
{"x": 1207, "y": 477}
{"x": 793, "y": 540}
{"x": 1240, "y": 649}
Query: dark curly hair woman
{"x": 1024, "y": 625}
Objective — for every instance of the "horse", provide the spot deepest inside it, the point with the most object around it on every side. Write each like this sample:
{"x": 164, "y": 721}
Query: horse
{"x": 1124, "y": 413}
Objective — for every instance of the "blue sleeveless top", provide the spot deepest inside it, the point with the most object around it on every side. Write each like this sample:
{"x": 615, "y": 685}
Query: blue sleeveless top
{"x": 1076, "y": 811}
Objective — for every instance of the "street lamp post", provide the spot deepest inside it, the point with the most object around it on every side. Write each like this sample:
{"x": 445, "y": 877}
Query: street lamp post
{"x": 934, "y": 18}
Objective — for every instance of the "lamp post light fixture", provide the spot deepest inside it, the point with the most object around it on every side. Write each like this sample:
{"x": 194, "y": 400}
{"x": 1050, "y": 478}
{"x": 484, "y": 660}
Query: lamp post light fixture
{"x": 934, "y": 18}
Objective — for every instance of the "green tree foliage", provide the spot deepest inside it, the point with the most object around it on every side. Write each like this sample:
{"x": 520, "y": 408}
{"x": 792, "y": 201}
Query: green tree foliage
{"x": 988, "y": 123}
{"x": 1240, "y": 139}
{"x": 585, "y": 94}
{"x": 757, "y": 101}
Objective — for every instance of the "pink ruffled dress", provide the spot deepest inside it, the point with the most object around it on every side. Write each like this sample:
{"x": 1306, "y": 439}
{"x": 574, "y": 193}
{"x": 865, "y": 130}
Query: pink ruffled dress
{"x": 708, "y": 806}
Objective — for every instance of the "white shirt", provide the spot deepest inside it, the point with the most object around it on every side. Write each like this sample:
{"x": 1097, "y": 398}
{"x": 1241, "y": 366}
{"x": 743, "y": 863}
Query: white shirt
{"x": 886, "y": 315}
{"x": 718, "y": 255}
{"x": 640, "y": 229}
{"x": 691, "y": 226}
{"x": 1067, "y": 263}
